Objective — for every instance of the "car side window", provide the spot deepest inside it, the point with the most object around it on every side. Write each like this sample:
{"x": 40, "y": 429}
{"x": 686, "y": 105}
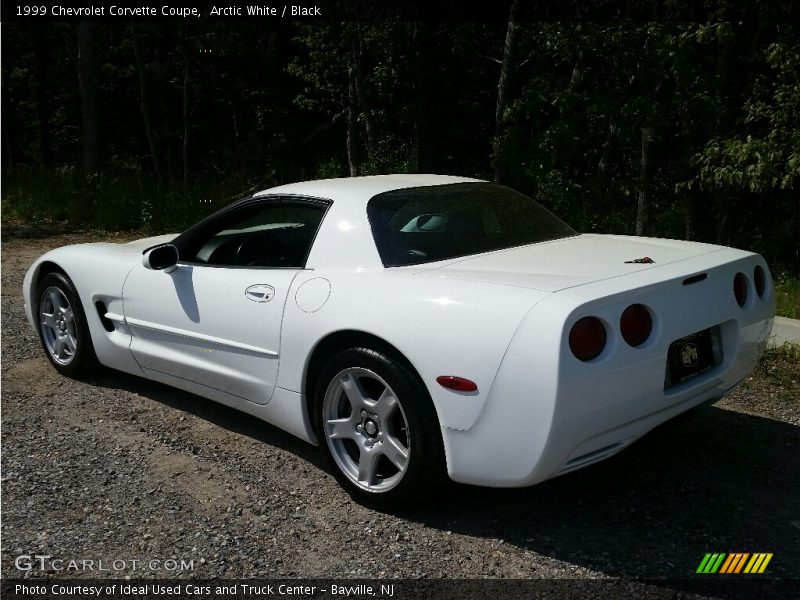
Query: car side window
{"x": 275, "y": 235}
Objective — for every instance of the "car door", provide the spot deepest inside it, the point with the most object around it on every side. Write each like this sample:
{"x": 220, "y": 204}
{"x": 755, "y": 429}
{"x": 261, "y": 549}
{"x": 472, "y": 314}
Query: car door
{"x": 216, "y": 319}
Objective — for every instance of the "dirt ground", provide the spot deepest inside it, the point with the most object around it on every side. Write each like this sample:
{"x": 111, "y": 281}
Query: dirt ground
{"x": 120, "y": 468}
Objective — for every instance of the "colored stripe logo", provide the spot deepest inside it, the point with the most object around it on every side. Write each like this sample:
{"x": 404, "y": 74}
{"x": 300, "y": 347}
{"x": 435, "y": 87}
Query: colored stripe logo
{"x": 734, "y": 562}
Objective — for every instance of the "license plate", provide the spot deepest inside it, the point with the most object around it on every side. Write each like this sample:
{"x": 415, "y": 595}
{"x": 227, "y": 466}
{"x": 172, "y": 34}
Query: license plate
{"x": 690, "y": 356}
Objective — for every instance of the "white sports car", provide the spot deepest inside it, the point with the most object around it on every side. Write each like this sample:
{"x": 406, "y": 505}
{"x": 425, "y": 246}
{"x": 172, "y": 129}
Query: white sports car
{"x": 415, "y": 325}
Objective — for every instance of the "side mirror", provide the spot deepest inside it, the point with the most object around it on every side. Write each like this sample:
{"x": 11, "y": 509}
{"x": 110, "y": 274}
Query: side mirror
{"x": 161, "y": 258}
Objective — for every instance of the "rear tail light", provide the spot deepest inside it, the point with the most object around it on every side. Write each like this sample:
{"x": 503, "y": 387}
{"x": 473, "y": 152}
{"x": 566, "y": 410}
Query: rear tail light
{"x": 587, "y": 338}
{"x": 636, "y": 325}
{"x": 740, "y": 288}
{"x": 760, "y": 280}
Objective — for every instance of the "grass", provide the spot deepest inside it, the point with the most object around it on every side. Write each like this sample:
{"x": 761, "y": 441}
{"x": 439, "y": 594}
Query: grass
{"x": 123, "y": 200}
{"x": 773, "y": 389}
{"x": 780, "y": 365}
{"x": 787, "y": 297}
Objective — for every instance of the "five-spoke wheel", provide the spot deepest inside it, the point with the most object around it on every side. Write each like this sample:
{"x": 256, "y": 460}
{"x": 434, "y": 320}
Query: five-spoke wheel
{"x": 57, "y": 321}
{"x": 365, "y": 429}
{"x": 377, "y": 427}
{"x": 62, "y": 326}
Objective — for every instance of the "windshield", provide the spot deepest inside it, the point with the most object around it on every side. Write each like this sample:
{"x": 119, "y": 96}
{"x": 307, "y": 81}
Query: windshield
{"x": 426, "y": 224}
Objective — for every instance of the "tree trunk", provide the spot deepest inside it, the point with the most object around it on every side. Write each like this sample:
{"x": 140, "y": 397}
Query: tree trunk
{"x": 643, "y": 205}
{"x": 42, "y": 52}
{"x": 363, "y": 101}
{"x": 166, "y": 138}
{"x": 796, "y": 228}
{"x": 87, "y": 84}
{"x": 727, "y": 93}
{"x": 721, "y": 219}
{"x": 576, "y": 78}
{"x": 687, "y": 202}
{"x": 352, "y": 133}
{"x": 500, "y": 168}
{"x": 185, "y": 144}
{"x": 607, "y": 149}
{"x": 9, "y": 150}
{"x": 426, "y": 99}
{"x": 144, "y": 106}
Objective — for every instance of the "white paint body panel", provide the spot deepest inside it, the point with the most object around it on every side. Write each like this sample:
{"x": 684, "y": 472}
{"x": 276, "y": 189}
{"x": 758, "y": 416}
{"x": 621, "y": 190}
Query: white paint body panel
{"x": 500, "y": 319}
{"x": 204, "y": 329}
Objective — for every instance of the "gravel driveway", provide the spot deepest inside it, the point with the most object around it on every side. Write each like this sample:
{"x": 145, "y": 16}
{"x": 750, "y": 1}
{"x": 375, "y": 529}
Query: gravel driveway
{"x": 120, "y": 468}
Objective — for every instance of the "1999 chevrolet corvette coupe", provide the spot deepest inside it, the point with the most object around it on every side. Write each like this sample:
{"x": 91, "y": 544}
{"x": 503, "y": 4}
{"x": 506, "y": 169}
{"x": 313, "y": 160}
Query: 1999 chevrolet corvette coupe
{"x": 415, "y": 326}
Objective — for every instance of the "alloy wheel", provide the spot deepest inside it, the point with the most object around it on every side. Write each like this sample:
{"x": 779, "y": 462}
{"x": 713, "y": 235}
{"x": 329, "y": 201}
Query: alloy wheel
{"x": 57, "y": 324}
{"x": 366, "y": 429}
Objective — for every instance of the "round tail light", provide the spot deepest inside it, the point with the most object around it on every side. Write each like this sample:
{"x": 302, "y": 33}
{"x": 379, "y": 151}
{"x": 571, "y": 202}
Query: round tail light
{"x": 587, "y": 338}
{"x": 760, "y": 280}
{"x": 636, "y": 325}
{"x": 740, "y": 288}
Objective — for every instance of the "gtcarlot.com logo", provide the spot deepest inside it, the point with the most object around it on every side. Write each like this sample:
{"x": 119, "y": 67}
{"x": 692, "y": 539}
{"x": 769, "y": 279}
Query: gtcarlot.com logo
{"x": 47, "y": 562}
{"x": 734, "y": 563}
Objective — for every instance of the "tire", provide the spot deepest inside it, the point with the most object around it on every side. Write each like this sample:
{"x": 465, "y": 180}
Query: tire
{"x": 62, "y": 327}
{"x": 378, "y": 429}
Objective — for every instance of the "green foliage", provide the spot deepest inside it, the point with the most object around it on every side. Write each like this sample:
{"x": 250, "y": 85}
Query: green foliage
{"x": 787, "y": 296}
{"x": 229, "y": 105}
{"x": 767, "y": 159}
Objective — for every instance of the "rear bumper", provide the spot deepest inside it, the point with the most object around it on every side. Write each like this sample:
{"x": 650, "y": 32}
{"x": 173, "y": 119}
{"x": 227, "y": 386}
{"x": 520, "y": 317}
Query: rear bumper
{"x": 548, "y": 413}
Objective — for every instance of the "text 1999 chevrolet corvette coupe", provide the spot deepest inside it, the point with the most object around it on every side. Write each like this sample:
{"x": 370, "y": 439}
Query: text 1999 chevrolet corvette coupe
{"x": 415, "y": 325}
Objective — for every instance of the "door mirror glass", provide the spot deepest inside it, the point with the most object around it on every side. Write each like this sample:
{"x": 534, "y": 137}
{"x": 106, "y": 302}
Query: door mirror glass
{"x": 161, "y": 258}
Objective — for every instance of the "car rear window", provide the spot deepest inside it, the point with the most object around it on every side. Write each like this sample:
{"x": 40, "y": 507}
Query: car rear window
{"x": 426, "y": 224}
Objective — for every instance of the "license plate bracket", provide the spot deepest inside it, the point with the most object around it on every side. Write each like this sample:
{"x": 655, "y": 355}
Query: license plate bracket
{"x": 690, "y": 356}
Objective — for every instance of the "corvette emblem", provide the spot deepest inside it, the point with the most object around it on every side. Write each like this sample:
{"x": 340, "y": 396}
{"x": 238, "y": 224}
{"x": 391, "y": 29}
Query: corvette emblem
{"x": 689, "y": 355}
{"x": 645, "y": 260}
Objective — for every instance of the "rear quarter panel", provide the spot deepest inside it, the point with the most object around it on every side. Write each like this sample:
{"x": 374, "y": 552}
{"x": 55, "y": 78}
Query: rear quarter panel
{"x": 443, "y": 327}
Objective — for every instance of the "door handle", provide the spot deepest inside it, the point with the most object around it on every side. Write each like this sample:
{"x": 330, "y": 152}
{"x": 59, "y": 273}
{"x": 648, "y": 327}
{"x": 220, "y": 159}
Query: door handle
{"x": 260, "y": 292}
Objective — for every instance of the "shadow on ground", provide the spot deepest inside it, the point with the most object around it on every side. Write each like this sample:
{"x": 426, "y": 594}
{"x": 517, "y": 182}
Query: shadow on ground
{"x": 713, "y": 481}
{"x": 717, "y": 481}
{"x": 220, "y": 415}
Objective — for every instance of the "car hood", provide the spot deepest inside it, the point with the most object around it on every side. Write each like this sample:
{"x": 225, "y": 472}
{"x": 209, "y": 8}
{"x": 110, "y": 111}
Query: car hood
{"x": 138, "y": 246}
{"x": 569, "y": 262}
{"x": 131, "y": 251}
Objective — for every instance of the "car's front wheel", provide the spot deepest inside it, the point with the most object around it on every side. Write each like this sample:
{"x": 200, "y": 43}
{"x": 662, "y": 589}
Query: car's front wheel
{"x": 377, "y": 427}
{"x": 62, "y": 327}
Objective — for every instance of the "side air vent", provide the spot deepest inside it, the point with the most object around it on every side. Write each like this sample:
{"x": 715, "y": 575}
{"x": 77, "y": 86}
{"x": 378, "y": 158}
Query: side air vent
{"x": 101, "y": 312}
{"x": 695, "y": 279}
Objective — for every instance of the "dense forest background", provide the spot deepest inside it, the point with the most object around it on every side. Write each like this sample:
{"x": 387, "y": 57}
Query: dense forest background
{"x": 681, "y": 130}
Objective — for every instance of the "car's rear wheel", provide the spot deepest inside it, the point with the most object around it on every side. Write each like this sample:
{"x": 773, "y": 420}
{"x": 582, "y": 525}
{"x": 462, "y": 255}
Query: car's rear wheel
{"x": 377, "y": 427}
{"x": 63, "y": 330}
